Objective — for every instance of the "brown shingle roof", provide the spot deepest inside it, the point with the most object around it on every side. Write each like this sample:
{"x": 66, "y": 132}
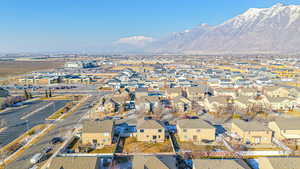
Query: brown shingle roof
{"x": 250, "y": 126}
{"x": 75, "y": 163}
{"x": 288, "y": 124}
{"x": 193, "y": 123}
{"x": 149, "y": 124}
{"x": 105, "y": 126}
{"x": 219, "y": 164}
{"x": 154, "y": 162}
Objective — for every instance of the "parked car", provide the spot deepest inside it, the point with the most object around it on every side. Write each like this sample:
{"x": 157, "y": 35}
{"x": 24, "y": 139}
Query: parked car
{"x": 36, "y": 158}
{"x": 47, "y": 149}
{"x": 56, "y": 140}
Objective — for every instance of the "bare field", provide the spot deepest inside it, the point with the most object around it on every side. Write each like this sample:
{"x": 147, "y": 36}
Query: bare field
{"x": 10, "y": 68}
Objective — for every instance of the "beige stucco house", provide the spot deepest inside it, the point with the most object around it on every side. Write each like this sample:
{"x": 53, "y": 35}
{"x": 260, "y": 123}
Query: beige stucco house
{"x": 225, "y": 92}
{"x": 97, "y": 133}
{"x": 150, "y": 131}
{"x": 195, "y": 130}
{"x": 195, "y": 93}
{"x": 276, "y": 91}
{"x": 251, "y": 132}
{"x": 181, "y": 104}
{"x": 248, "y": 92}
{"x": 216, "y": 103}
{"x": 171, "y": 93}
{"x": 286, "y": 129}
{"x": 282, "y": 103}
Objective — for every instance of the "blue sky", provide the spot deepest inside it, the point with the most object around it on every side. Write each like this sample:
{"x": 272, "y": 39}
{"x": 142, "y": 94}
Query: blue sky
{"x": 46, "y": 25}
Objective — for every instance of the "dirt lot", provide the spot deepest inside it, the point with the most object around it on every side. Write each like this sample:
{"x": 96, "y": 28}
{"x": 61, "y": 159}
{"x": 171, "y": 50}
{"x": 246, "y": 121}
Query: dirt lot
{"x": 105, "y": 149}
{"x": 9, "y": 68}
{"x": 133, "y": 146}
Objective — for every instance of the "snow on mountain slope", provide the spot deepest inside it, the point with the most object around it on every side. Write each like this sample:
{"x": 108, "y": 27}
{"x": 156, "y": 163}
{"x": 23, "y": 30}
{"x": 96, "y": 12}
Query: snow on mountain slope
{"x": 135, "y": 40}
{"x": 275, "y": 29}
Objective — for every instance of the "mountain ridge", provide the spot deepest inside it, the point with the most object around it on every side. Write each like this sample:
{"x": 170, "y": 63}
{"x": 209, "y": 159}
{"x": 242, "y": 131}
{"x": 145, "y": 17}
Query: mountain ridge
{"x": 257, "y": 30}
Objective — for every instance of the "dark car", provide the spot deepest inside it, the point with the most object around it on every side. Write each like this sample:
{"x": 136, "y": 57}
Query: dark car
{"x": 194, "y": 117}
{"x": 56, "y": 140}
{"x": 47, "y": 149}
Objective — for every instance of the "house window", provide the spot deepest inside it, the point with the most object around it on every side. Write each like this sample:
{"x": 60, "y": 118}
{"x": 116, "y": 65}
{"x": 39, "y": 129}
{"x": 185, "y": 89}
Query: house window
{"x": 198, "y": 130}
{"x": 159, "y": 130}
{"x": 142, "y": 130}
{"x": 184, "y": 130}
{"x": 94, "y": 141}
{"x": 106, "y": 134}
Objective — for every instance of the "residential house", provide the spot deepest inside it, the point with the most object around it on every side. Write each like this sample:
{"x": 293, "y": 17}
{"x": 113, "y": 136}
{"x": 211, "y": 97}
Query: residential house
{"x": 147, "y": 103}
{"x": 226, "y": 83}
{"x": 181, "y": 104}
{"x": 249, "y": 92}
{"x": 171, "y": 93}
{"x": 195, "y": 93}
{"x": 219, "y": 164}
{"x": 150, "y": 131}
{"x": 225, "y": 92}
{"x": 286, "y": 129}
{"x": 97, "y": 133}
{"x": 251, "y": 132}
{"x": 195, "y": 130}
{"x": 276, "y": 91}
{"x": 154, "y": 162}
{"x": 243, "y": 103}
{"x": 141, "y": 92}
{"x": 282, "y": 103}
{"x": 216, "y": 103}
{"x": 75, "y": 163}
{"x": 279, "y": 162}
{"x": 114, "y": 104}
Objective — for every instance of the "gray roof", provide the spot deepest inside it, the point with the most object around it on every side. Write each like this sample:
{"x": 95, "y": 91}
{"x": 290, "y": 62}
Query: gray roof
{"x": 196, "y": 89}
{"x": 278, "y": 99}
{"x": 218, "y": 99}
{"x": 193, "y": 123}
{"x": 174, "y": 90}
{"x": 149, "y": 124}
{"x": 283, "y": 162}
{"x": 244, "y": 99}
{"x": 288, "y": 124}
{"x": 219, "y": 164}
{"x": 154, "y": 162}
{"x": 250, "y": 126}
{"x": 105, "y": 126}
{"x": 75, "y": 163}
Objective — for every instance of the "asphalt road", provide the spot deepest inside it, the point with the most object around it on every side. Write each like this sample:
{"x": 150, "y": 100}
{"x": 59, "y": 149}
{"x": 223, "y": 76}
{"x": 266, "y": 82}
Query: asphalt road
{"x": 17, "y": 126}
{"x": 61, "y": 128}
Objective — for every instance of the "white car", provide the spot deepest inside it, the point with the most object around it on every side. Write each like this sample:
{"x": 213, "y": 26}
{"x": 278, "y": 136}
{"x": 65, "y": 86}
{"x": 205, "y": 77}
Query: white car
{"x": 36, "y": 158}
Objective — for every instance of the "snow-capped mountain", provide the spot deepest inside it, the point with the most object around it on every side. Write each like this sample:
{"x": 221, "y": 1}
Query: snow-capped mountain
{"x": 275, "y": 29}
{"x": 135, "y": 41}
